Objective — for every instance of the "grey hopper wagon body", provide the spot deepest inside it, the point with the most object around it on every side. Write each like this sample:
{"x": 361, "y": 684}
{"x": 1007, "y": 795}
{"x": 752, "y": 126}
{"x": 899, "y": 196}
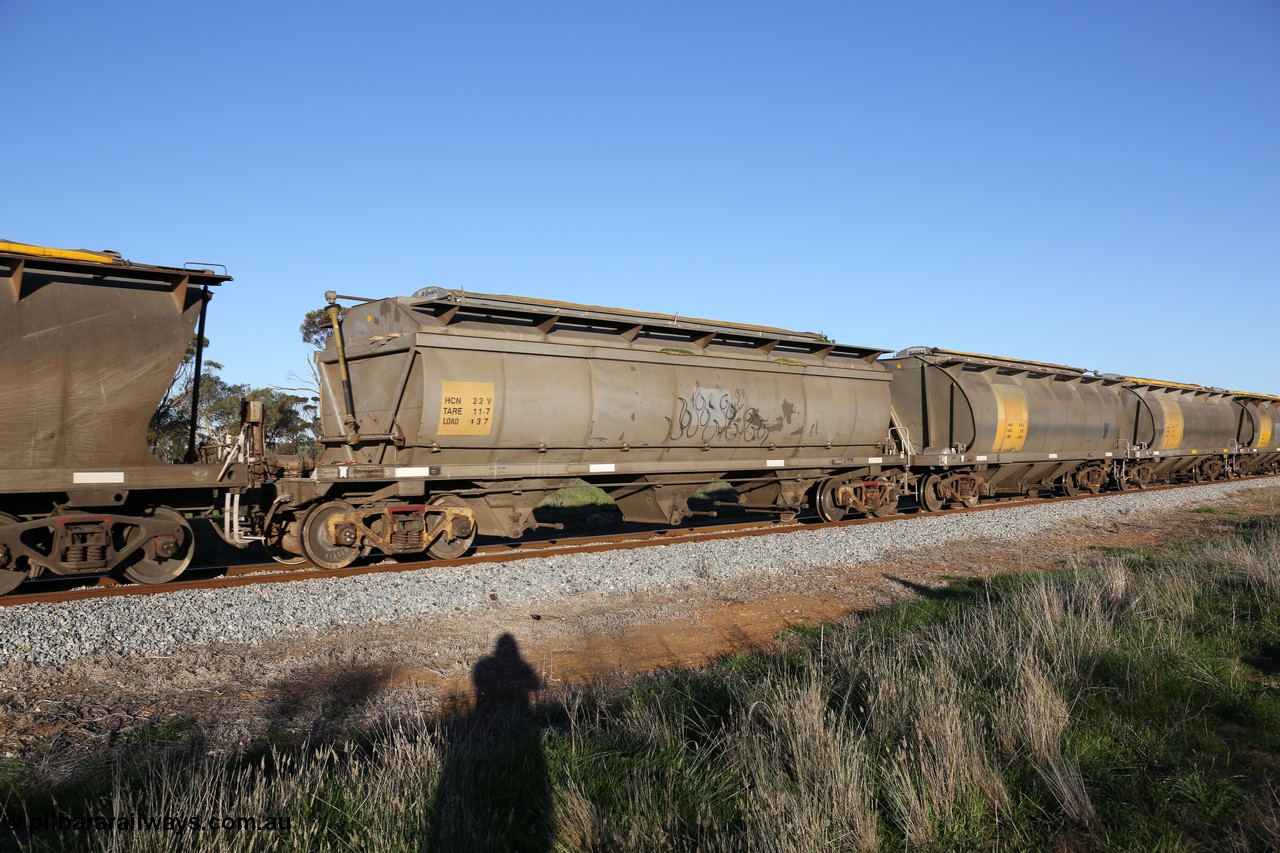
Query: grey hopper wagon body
{"x": 89, "y": 343}
{"x": 1258, "y": 430}
{"x": 489, "y": 403}
{"x": 448, "y": 414}
{"x": 984, "y": 425}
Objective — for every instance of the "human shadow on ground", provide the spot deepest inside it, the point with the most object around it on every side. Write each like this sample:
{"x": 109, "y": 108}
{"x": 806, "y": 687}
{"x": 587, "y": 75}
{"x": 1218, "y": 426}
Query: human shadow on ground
{"x": 494, "y": 791}
{"x": 925, "y": 591}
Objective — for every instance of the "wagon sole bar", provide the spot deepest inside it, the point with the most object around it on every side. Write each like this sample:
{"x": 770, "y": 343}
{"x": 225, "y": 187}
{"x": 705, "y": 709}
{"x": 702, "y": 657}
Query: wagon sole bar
{"x": 106, "y": 587}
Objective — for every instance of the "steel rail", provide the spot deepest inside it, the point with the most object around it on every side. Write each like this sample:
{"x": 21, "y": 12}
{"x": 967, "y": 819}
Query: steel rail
{"x": 247, "y": 575}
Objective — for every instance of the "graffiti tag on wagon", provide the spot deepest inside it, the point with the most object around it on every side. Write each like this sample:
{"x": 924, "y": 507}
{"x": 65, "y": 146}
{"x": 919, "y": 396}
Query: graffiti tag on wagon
{"x": 718, "y": 414}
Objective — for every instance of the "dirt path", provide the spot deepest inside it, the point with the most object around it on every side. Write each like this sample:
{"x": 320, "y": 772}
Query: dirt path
{"x": 235, "y": 695}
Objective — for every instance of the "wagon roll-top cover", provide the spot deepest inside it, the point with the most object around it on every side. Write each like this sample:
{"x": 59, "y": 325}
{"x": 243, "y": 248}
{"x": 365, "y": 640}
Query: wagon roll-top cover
{"x": 476, "y": 378}
{"x": 89, "y": 343}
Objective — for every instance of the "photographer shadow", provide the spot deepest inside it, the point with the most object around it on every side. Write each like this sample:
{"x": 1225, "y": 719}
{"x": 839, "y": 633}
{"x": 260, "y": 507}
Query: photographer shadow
{"x": 494, "y": 791}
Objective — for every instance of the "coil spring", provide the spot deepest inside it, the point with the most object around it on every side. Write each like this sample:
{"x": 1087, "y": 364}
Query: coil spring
{"x": 86, "y": 554}
{"x": 405, "y": 539}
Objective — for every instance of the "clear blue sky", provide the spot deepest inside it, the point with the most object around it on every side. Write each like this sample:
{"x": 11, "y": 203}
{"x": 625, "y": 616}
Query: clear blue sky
{"x": 1091, "y": 183}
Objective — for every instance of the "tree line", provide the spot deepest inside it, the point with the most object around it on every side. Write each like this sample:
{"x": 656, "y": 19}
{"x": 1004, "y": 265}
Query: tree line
{"x": 292, "y": 416}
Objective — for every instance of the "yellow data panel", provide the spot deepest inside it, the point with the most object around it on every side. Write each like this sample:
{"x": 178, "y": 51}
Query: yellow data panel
{"x": 1172, "y": 437}
{"x": 1011, "y": 418}
{"x": 466, "y": 408}
{"x": 1264, "y": 430}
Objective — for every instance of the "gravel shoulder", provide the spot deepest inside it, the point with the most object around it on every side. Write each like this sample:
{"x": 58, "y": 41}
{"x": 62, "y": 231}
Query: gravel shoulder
{"x": 302, "y": 656}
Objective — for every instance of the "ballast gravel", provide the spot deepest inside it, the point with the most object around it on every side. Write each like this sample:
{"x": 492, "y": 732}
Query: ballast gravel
{"x": 54, "y": 635}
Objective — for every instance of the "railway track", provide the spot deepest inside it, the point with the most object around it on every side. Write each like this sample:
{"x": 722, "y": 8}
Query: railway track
{"x": 249, "y": 574}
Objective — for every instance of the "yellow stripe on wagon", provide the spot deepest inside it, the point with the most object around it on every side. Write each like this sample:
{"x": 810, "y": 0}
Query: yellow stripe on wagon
{"x": 1011, "y": 419}
{"x": 1172, "y": 437}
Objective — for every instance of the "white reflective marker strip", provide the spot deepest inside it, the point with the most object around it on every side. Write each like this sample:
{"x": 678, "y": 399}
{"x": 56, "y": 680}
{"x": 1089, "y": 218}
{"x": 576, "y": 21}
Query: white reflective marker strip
{"x": 1053, "y": 456}
{"x": 1155, "y": 453}
{"x": 875, "y": 460}
{"x": 97, "y": 477}
{"x": 980, "y": 458}
{"x": 775, "y": 463}
{"x": 602, "y": 468}
{"x": 1108, "y": 455}
{"x": 413, "y": 472}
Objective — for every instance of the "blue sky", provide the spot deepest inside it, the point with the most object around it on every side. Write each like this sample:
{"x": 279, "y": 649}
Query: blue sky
{"x": 1090, "y": 183}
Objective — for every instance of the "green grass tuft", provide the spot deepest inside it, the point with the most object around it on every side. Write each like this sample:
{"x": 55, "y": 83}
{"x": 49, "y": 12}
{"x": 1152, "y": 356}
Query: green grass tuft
{"x": 1128, "y": 702}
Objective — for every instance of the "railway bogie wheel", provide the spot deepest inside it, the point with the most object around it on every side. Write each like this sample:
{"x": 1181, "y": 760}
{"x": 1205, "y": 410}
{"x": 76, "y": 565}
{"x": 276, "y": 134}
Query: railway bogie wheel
{"x": 888, "y": 508}
{"x": 316, "y": 544}
{"x": 273, "y": 540}
{"x": 930, "y": 495}
{"x": 824, "y": 501}
{"x": 152, "y": 566}
{"x": 445, "y": 546}
{"x": 10, "y": 578}
{"x": 283, "y": 557}
{"x": 970, "y": 501}
{"x": 1069, "y": 487}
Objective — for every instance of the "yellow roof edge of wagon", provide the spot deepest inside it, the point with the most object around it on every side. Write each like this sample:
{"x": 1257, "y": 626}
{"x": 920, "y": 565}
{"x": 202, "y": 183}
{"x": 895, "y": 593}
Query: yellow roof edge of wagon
{"x": 1254, "y": 396}
{"x": 1160, "y": 383}
{"x": 1008, "y": 359}
{"x": 59, "y": 254}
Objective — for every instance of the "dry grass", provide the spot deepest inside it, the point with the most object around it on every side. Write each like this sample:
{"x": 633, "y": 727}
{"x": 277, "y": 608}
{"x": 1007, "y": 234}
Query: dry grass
{"x": 807, "y": 769}
{"x": 1102, "y": 706}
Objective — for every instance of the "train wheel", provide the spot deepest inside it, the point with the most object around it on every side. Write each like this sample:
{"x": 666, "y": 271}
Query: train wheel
{"x": 1069, "y": 487}
{"x": 931, "y": 495}
{"x": 164, "y": 558}
{"x": 889, "y": 504}
{"x": 451, "y": 544}
{"x": 970, "y": 501}
{"x": 274, "y": 538}
{"x": 10, "y": 578}
{"x": 886, "y": 509}
{"x": 824, "y": 501}
{"x": 317, "y": 546}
